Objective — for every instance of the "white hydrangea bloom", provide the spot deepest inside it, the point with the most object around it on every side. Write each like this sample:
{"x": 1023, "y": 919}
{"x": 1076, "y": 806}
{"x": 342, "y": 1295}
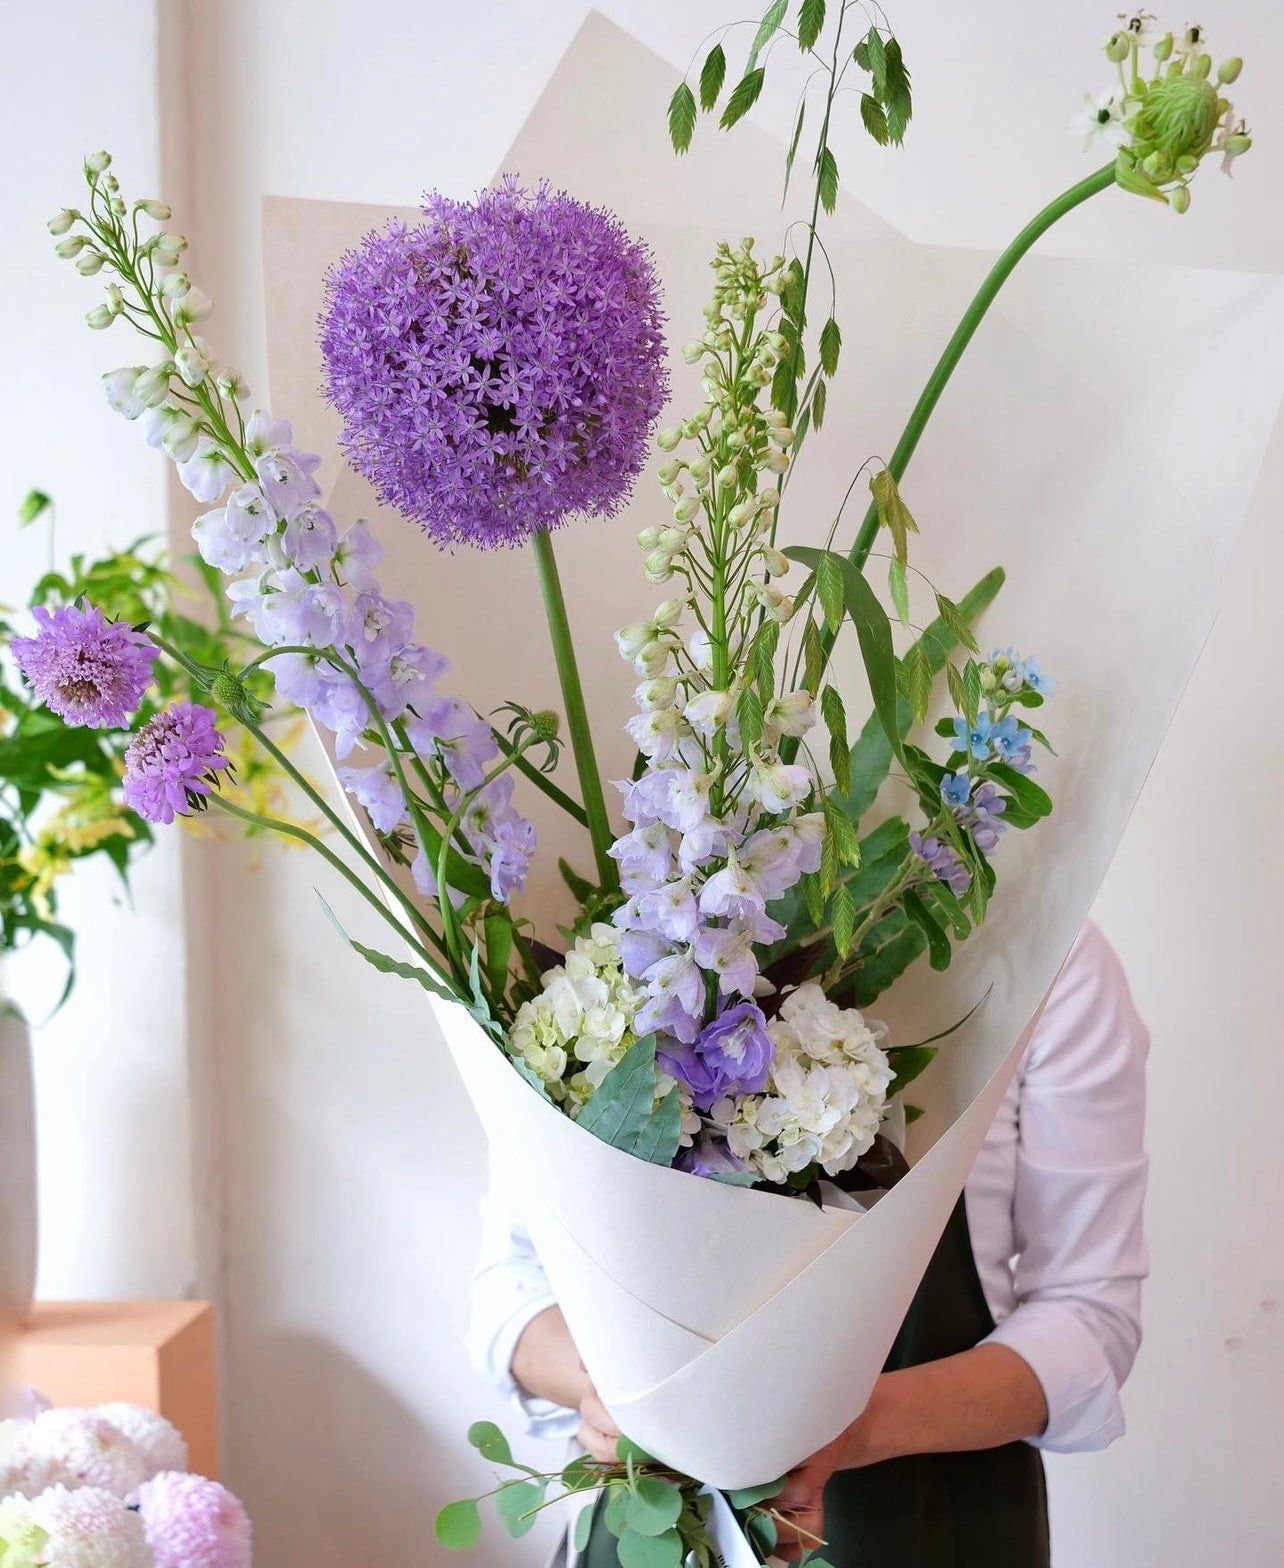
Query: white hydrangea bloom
{"x": 824, "y": 1101}
{"x": 23, "y": 1467}
{"x": 156, "y": 1439}
{"x": 82, "y": 1449}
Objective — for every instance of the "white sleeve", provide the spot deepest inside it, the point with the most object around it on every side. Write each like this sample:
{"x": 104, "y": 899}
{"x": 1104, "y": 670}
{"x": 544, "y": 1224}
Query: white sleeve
{"x": 1077, "y": 1206}
{"x": 509, "y": 1288}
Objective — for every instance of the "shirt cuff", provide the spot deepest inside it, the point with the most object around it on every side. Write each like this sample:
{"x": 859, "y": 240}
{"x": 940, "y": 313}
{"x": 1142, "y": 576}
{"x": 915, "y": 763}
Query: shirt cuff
{"x": 1082, "y": 1395}
{"x": 543, "y": 1417}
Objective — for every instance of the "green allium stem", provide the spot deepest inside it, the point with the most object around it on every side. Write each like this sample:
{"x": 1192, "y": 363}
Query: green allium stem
{"x": 577, "y": 722}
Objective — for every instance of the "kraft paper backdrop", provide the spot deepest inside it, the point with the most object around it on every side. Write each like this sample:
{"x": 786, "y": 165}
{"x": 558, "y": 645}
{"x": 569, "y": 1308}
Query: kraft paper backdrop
{"x": 1084, "y": 444}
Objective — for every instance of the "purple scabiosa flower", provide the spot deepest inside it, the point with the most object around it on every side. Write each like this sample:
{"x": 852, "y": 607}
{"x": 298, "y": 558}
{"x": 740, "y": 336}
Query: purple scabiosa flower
{"x": 731, "y": 1055}
{"x": 191, "y": 1522}
{"x": 173, "y": 761}
{"x": 943, "y": 862}
{"x": 499, "y": 367}
{"x": 85, "y": 668}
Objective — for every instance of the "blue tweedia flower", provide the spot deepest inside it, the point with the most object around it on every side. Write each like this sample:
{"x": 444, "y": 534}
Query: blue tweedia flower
{"x": 973, "y": 739}
{"x": 955, "y": 788}
{"x": 1036, "y": 680}
{"x": 1009, "y": 738}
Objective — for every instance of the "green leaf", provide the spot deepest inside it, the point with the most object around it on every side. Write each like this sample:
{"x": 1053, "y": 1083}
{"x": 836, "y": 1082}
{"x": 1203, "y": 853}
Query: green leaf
{"x": 842, "y": 915}
{"x": 650, "y": 1551}
{"x": 893, "y": 514}
{"x": 898, "y": 587}
{"x": 743, "y": 1497}
{"x": 885, "y": 963}
{"x": 813, "y": 656}
{"x": 713, "y": 73}
{"x": 657, "y": 1505}
{"x": 742, "y": 98}
{"x": 918, "y": 680}
{"x": 1031, "y": 800}
{"x": 827, "y": 176}
{"x": 581, "y": 888}
{"x": 874, "y": 119}
{"x": 499, "y": 949}
{"x": 842, "y": 833}
{"x": 912, "y": 1114}
{"x": 831, "y": 342}
{"x": 872, "y": 753}
{"x": 791, "y": 295}
{"x": 458, "y": 1525}
{"x": 763, "y": 1533}
{"x": 33, "y": 504}
{"x": 896, "y": 92}
{"x": 793, "y": 145}
{"x": 391, "y": 966}
{"x": 907, "y": 1062}
{"x": 835, "y": 717}
{"x": 490, "y": 1442}
{"x": 873, "y": 631}
{"x": 819, "y": 401}
{"x": 829, "y": 589}
{"x": 516, "y": 1502}
{"x": 772, "y": 18}
{"x": 938, "y": 943}
{"x": 626, "y": 1449}
{"x": 622, "y": 1110}
{"x": 811, "y": 22}
{"x": 871, "y": 55}
{"x": 583, "y": 1528}
{"x": 955, "y": 622}
{"x": 749, "y": 713}
{"x": 682, "y": 118}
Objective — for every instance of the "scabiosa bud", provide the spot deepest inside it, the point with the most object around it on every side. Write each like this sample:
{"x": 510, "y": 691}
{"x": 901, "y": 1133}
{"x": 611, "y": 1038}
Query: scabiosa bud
{"x": 85, "y": 668}
{"x": 499, "y": 367}
{"x": 173, "y": 762}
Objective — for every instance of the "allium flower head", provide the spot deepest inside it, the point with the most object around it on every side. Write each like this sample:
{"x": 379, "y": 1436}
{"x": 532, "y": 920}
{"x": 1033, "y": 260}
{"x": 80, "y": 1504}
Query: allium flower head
{"x": 193, "y": 1523}
{"x": 172, "y": 761}
{"x": 85, "y": 668}
{"x": 498, "y": 367}
{"x": 155, "y": 1438}
{"x": 89, "y": 1528}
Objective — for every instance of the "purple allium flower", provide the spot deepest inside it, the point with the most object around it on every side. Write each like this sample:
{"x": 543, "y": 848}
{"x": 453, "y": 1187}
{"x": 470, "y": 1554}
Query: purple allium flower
{"x": 172, "y": 761}
{"x": 85, "y": 668}
{"x": 943, "y": 862}
{"x": 499, "y": 367}
{"x": 193, "y": 1523}
{"x": 732, "y": 1055}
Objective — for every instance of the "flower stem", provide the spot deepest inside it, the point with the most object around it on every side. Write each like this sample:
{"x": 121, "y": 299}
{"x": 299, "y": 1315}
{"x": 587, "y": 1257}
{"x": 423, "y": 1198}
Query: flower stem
{"x": 568, "y": 674}
{"x": 963, "y": 334}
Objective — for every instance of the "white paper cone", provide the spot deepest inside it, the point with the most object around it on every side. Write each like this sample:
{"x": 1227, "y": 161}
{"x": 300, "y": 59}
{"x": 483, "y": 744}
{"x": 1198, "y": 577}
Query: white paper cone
{"x": 733, "y": 1333}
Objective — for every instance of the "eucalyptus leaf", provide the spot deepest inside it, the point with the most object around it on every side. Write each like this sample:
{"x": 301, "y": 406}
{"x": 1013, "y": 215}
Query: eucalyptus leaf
{"x": 516, "y": 1502}
{"x": 458, "y": 1525}
{"x": 490, "y": 1442}
{"x": 636, "y": 1550}
{"x": 742, "y": 1497}
{"x": 656, "y": 1505}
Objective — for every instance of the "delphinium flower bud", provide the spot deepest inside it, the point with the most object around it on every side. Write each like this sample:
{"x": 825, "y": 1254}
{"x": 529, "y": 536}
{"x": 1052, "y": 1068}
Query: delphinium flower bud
{"x": 62, "y": 221}
{"x": 192, "y": 363}
{"x": 686, "y": 508}
{"x": 231, "y": 383}
{"x": 648, "y": 538}
{"x": 158, "y": 210}
{"x": 191, "y": 307}
{"x": 89, "y": 262}
{"x": 175, "y": 285}
{"x": 167, "y": 248}
{"x": 1228, "y": 71}
{"x": 668, "y": 472}
{"x": 658, "y": 566}
{"x": 96, "y": 162}
{"x": 71, "y": 246}
{"x": 668, "y": 439}
{"x": 99, "y": 317}
{"x": 151, "y": 387}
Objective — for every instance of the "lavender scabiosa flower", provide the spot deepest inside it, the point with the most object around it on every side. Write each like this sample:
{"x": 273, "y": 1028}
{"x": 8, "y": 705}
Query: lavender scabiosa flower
{"x": 499, "y": 367}
{"x": 85, "y": 668}
{"x": 172, "y": 762}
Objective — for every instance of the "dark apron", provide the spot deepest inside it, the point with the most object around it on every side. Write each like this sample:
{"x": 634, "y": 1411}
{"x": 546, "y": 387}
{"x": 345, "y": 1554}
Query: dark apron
{"x": 986, "y": 1509}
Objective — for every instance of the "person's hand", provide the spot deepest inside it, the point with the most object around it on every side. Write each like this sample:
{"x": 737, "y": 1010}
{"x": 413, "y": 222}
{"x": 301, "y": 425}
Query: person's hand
{"x": 598, "y": 1433}
{"x": 801, "y": 1501}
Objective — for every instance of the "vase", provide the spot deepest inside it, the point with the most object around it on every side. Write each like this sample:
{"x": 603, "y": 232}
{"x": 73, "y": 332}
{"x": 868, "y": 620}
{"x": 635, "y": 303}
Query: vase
{"x": 17, "y": 1168}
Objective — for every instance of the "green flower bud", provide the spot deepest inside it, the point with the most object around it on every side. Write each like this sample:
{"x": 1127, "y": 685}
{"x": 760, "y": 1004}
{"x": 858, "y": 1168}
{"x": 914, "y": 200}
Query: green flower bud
{"x": 154, "y": 209}
{"x": 668, "y": 439}
{"x": 1179, "y": 198}
{"x": 1117, "y": 47}
{"x": 692, "y": 352}
{"x": 89, "y": 262}
{"x": 174, "y": 285}
{"x": 71, "y": 246}
{"x": 1228, "y": 71}
{"x": 1236, "y": 144}
{"x": 699, "y": 467}
{"x": 96, "y": 162}
{"x": 673, "y": 539}
{"x": 1177, "y": 116}
{"x": 231, "y": 383}
{"x": 648, "y": 538}
{"x": 658, "y": 566}
{"x": 1201, "y": 66}
{"x": 545, "y": 723}
{"x": 229, "y": 692}
{"x": 152, "y": 386}
{"x": 62, "y": 221}
{"x": 99, "y": 317}
{"x": 686, "y": 508}
{"x": 669, "y": 471}
{"x": 1164, "y": 48}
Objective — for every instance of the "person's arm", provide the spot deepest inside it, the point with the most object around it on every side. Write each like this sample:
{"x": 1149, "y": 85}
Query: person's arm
{"x": 547, "y": 1365}
{"x": 982, "y": 1398}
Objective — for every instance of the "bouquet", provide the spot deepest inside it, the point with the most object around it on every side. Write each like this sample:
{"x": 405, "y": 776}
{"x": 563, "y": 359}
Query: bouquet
{"x": 109, "y": 1488}
{"x": 693, "y": 1047}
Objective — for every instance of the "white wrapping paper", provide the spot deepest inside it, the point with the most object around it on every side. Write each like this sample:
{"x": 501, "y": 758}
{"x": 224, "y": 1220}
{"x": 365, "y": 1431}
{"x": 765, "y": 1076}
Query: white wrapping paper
{"x": 733, "y": 1333}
